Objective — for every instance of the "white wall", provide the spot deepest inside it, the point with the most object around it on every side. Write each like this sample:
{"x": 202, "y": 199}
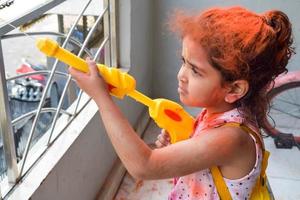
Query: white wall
{"x": 167, "y": 45}
{"x": 81, "y": 171}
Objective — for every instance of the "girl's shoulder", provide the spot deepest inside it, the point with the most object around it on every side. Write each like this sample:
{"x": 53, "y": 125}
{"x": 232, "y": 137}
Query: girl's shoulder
{"x": 229, "y": 140}
{"x": 235, "y": 115}
{"x": 225, "y": 145}
{"x": 229, "y": 136}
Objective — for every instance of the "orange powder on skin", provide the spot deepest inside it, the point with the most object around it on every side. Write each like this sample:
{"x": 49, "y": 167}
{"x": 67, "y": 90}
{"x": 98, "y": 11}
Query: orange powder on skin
{"x": 196, "y": 189}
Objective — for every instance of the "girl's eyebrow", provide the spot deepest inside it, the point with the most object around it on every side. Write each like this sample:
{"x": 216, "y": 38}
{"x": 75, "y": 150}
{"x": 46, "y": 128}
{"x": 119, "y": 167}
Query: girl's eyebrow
{"x": 195, "y": 66}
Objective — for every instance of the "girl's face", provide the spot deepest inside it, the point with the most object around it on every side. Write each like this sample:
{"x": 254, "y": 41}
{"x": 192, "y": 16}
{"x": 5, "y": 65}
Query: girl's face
{"x": 199, "y": 83}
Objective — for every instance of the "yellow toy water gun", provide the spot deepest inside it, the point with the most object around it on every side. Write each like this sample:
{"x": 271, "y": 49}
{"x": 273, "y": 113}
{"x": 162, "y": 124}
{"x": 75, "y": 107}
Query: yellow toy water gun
{"x": 167, "y": 114}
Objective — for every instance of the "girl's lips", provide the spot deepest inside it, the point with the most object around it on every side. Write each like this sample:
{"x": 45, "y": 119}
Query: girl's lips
{"x": 181, "y": 90}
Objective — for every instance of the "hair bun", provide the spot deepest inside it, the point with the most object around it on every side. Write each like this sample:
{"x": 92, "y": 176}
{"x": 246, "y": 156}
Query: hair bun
{"x": 282, "y": 27}
{"x": 280, "y": 22}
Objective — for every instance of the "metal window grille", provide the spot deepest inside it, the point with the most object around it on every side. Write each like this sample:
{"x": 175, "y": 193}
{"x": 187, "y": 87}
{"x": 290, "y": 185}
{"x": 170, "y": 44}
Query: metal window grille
{"x": 15, "y": 162}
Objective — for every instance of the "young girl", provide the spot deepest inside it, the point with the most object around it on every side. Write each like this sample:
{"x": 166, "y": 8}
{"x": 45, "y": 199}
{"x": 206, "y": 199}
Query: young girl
{"x": 230, "y": 57}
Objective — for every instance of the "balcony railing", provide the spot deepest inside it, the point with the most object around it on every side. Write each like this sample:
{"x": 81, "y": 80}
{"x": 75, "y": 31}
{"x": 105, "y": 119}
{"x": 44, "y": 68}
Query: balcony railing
{"x": 38, "y": 103}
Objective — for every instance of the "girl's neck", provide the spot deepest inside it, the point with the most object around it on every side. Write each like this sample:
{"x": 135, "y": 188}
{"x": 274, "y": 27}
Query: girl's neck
{"x": 210, "y": 111}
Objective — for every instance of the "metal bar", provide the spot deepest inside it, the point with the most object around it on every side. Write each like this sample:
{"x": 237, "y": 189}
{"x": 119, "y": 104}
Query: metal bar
{"x": 29, "y": 16}
{"x": 84, "y": 26}
{"x": 60, "y": 19}
{"x": 113, "y": 41}
{"x": 95, "y": 58}
{"x": 105, "y": 10}
{"x": 44, "y": 110}
{"x": 100, "y": 48}
{"x": 46, "y": 90}
{"x": 5, "y": 126}
{"x": 34, "y": 73}
{"x": 71, "y": 40}
{"x": 69, "y": 78}
{"x": 106, "y": 26}
{"x": 113, "y": 33}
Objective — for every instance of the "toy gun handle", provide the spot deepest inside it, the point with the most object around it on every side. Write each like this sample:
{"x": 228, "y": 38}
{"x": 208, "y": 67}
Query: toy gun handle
{"x": 120, "y": 83}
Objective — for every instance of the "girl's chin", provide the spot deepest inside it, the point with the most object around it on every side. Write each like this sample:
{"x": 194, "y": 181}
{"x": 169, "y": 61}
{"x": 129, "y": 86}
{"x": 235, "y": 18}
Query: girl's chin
{"x": 185, "y": 101}
{"x": 189, "y": 103}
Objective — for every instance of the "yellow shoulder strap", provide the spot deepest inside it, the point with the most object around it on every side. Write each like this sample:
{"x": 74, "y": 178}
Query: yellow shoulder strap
{"x": 220, "y": 183}
{"x": 216, "y": 174}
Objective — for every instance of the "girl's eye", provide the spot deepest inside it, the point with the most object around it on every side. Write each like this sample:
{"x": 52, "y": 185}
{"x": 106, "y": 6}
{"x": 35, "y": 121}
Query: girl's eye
{"x": 194, "y": 70}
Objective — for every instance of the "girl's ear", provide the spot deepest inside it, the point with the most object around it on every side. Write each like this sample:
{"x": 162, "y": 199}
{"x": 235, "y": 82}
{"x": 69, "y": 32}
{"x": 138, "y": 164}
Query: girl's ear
{"x": 237, "y": 90}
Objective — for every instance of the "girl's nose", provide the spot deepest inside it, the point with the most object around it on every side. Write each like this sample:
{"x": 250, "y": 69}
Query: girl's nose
{"x": 181, "y": 76}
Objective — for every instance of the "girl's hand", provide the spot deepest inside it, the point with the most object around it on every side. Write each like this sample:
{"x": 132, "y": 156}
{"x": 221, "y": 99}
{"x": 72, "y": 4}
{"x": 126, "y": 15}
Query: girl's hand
{"x": 91, "y": 83}
{"x": 163, "y": 139}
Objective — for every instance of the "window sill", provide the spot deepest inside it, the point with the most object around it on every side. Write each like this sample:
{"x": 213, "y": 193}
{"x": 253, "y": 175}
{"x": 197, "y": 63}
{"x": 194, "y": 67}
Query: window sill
{"x": 43, "y": 166}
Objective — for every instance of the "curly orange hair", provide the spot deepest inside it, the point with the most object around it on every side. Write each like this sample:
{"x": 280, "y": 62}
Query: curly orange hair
{"x": 242, "y": 45}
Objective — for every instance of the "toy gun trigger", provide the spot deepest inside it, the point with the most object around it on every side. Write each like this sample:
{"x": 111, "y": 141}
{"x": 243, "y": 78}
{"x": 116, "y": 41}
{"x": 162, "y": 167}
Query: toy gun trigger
{"x": 172, "y": 117}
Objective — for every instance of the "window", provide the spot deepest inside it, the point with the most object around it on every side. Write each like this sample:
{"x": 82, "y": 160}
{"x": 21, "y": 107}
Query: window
{"x": 37, "y": 93}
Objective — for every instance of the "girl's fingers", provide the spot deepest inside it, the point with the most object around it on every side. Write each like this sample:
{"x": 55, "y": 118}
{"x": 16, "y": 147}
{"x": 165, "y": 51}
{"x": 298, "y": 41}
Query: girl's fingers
{"x": 93, "y": 71}
{"x": 92, "y": 67}
{"x": 158, "y": 144}
{"x": 162, "y": 140}
{"x": 75, "y": 73}
{"x": 165, "y": 135}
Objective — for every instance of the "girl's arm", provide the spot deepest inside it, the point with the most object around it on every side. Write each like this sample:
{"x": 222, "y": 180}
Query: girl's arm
{"x": 131, "y": 149}
{"x": 212, "y": 148}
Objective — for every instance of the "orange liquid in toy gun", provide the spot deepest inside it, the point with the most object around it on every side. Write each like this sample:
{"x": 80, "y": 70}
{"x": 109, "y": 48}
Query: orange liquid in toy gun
{"x": 167, "y": 114}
